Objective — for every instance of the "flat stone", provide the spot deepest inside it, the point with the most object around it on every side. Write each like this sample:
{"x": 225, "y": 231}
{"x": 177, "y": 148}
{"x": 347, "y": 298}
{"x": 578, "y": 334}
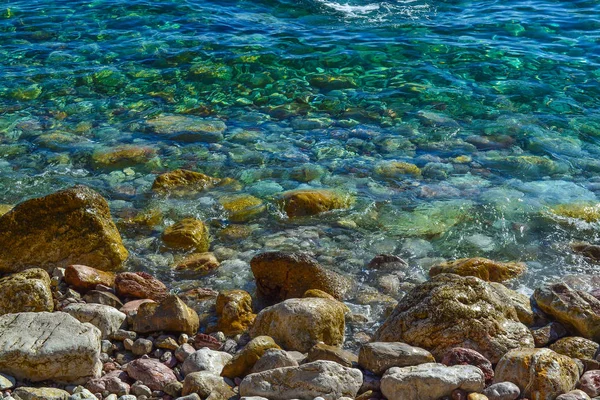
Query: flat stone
{"x": 326, "y": 379}
{"x": 187, "y": 128}
{"x": 430, "y": 381}
{"x": 31, "y": 393}
{"x": 55, "y": 347}
{"x": 24, "y": 291}
{"x": 151, "y": 373}
{"x": 378, "y": 357}
{"x": 299, "y": 324}
{"x": 72, "y": 226}
{"x": 105, "y": 318}
{"x": 84, "y": 278}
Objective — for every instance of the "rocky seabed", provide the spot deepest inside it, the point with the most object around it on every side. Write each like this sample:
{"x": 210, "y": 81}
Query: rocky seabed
{"x": 74, "y": 325}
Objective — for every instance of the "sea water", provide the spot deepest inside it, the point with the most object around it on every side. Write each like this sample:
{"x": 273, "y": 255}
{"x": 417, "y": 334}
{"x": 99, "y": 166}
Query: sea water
{"x": 494, "y": 105}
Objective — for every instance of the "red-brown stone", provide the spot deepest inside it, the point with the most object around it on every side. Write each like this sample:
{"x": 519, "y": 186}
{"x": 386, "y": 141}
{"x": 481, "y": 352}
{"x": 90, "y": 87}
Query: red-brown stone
{"x": 140, "y": 285}
{"x": 84, "y": 278}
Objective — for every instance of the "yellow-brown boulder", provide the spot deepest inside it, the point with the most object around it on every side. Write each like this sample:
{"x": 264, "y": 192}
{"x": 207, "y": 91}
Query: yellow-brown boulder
{"x": 72, "y": 226}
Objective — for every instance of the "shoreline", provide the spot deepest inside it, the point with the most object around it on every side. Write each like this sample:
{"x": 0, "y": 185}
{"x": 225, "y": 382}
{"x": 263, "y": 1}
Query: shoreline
{"x": 294, "y": 336}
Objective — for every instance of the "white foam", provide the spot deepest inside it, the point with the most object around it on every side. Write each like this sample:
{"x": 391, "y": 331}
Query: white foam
{"x": 380, "y": 11}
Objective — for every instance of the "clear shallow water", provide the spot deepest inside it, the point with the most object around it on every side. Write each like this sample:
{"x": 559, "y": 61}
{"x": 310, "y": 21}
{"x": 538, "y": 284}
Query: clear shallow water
{"x": 497, "y": 103}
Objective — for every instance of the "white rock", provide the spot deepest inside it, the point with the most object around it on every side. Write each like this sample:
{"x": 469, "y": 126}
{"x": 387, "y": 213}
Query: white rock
{"x": 49, "y": 346}
{"x": 327, "y": 379}
{"x": 206, "y": 359}
{"x": 7, "y": 382}
{"x": 502, "y": 391}
{"x": 106, "y": 318}
{"x": 430, "y": 381}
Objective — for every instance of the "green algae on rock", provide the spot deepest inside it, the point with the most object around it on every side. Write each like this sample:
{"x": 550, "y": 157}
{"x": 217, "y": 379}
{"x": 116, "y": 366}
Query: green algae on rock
{"x": 72, "y": 226}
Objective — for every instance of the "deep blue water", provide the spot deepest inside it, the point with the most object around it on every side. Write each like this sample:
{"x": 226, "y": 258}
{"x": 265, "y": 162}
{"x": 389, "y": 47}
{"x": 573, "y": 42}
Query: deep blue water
{"x": 496, "y": 102}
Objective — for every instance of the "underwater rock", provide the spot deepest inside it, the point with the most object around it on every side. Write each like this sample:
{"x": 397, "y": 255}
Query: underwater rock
{"x": 308, "y": 202}
{"x": 480, "y": 267}
{"x": 189, "y": 233}
{"x": 181, "y": 181}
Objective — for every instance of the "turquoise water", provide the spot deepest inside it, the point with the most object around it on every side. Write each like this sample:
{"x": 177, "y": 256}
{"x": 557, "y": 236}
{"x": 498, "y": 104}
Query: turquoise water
{"x": 496, "y": 102}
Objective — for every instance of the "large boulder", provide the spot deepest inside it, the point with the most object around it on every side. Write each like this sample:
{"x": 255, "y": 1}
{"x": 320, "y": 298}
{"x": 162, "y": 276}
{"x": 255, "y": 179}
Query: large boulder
{"x": 280, "y": 276}
{"x": 453, "y": 311}
{"x": 577, "y": 310}
{"x": 299, "y": 324}
{"x": 49, "y": 346}
{"x": 539, "y": 373}
{"x": 430, "y": 381}
{"x": 171, "y": 315}
{"x": 325, "y": 379}
{"x": 308, "y": 202}
{"x": 72, "y": 226}
{"x": 482, "y": 268}
{"x": 378, "y": 357}
{"x": 106, "y": 318}
{"x": 26, "y": 291}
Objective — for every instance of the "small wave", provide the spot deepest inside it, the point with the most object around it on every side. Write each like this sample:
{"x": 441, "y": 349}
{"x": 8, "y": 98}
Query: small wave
{"x": 379, "y": 11}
